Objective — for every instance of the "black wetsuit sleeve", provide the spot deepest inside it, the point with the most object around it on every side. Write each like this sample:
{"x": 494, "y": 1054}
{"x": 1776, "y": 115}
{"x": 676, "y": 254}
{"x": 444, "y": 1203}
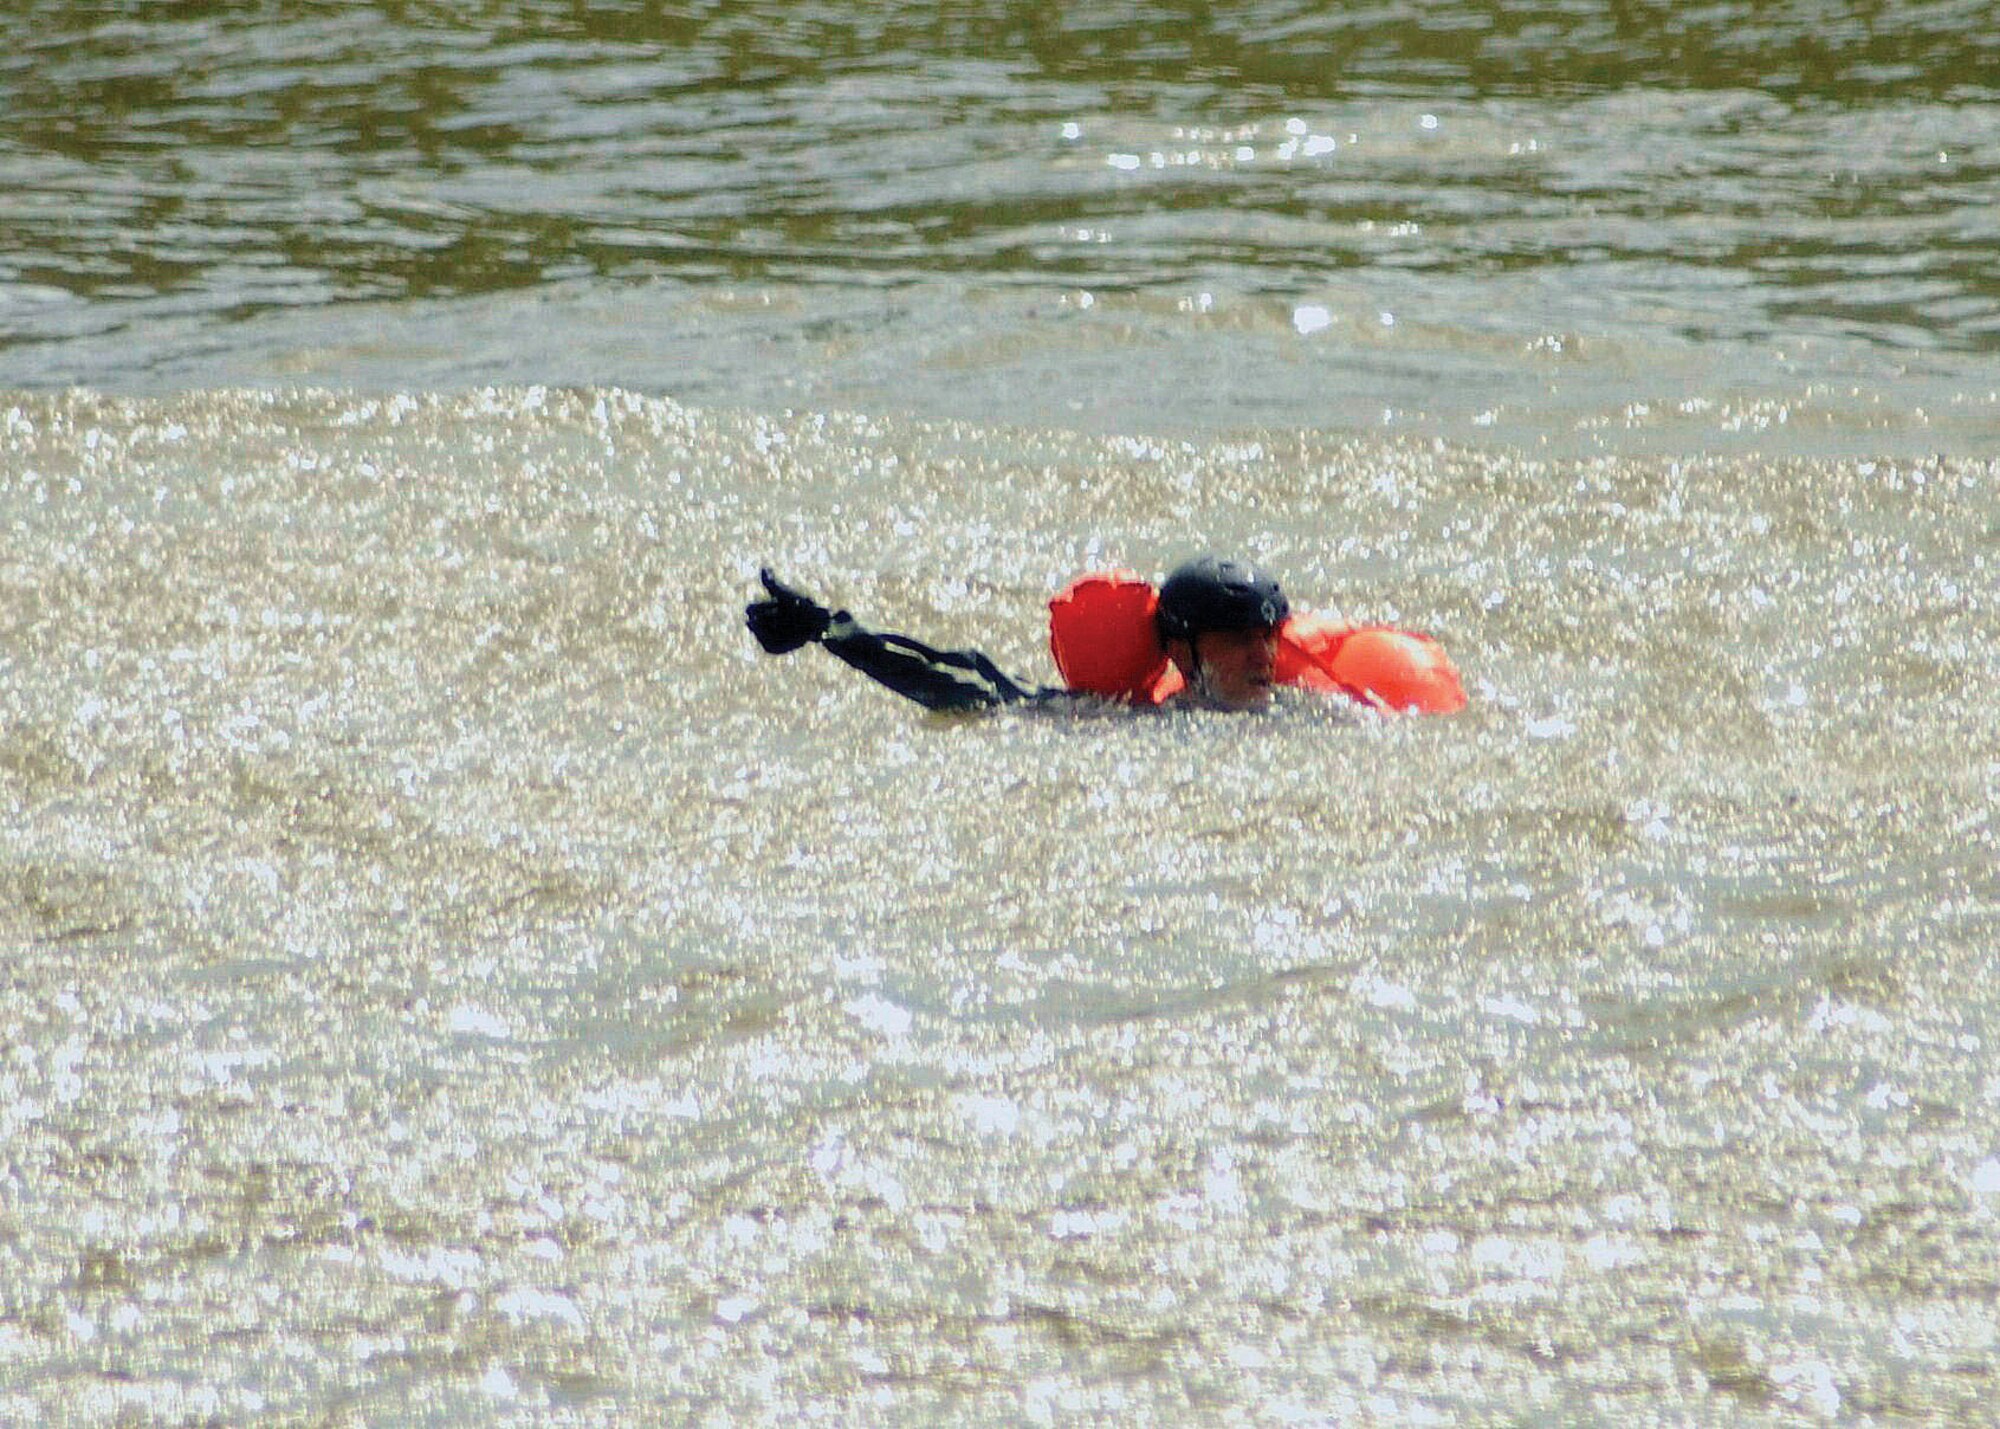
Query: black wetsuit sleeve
{"x": 935, "y": 679}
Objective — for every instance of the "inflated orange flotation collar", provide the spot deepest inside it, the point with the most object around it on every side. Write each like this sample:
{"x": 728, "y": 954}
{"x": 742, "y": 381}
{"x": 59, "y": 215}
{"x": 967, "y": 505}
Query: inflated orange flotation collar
{"x": 1102, "y": 634}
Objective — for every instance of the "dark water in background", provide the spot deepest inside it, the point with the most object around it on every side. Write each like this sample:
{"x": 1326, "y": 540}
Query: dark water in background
{"x": 1550, "y": 224}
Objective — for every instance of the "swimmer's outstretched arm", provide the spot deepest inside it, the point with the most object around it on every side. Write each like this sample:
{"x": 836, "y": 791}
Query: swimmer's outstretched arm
{"x": 935, "y": 679}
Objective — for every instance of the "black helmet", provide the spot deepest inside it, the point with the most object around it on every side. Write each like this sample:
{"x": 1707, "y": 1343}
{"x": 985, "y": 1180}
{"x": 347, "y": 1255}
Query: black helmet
{"x": 1211, "y": 594}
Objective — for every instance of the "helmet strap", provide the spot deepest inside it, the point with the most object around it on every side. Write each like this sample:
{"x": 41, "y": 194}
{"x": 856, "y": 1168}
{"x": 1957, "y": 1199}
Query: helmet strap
{"x": 1196, "y": 683}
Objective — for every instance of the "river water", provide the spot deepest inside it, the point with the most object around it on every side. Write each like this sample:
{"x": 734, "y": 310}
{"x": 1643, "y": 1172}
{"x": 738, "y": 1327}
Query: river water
{"x": 455, "y": 978}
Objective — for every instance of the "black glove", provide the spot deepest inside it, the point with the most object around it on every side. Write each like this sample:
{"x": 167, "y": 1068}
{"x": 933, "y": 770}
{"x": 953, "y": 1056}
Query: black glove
{"x": 787, "y": 620}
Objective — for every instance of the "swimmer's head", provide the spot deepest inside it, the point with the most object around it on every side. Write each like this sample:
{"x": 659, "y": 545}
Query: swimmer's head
{"x": 1219, "y": 620}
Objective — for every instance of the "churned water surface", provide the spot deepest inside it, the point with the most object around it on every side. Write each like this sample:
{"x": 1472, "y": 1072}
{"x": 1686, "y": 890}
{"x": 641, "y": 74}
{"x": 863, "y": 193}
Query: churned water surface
{"x": 454, "y": 978}
{"x": 455, "y": 975}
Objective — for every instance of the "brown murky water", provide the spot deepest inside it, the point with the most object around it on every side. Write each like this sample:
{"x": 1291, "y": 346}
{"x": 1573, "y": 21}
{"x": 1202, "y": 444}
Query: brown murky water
{"x": 457, "y": 978}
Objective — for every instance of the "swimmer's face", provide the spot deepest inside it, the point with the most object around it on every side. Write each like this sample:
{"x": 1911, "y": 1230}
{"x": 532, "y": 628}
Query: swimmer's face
{"x": 1236, "y": 666}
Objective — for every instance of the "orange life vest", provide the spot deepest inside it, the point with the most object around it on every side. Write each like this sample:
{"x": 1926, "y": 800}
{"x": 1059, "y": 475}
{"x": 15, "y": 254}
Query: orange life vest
{"x": 1102, "y": 634}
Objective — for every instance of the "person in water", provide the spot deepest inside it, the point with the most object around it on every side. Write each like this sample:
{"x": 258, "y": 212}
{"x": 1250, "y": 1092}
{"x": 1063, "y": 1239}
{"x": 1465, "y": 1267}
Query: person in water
{"x": 1217, "y": 633}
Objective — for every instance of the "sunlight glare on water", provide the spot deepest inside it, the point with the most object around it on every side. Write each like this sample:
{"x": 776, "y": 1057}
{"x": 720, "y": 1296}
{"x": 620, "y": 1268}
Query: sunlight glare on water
{"x": 464, "y": 973}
